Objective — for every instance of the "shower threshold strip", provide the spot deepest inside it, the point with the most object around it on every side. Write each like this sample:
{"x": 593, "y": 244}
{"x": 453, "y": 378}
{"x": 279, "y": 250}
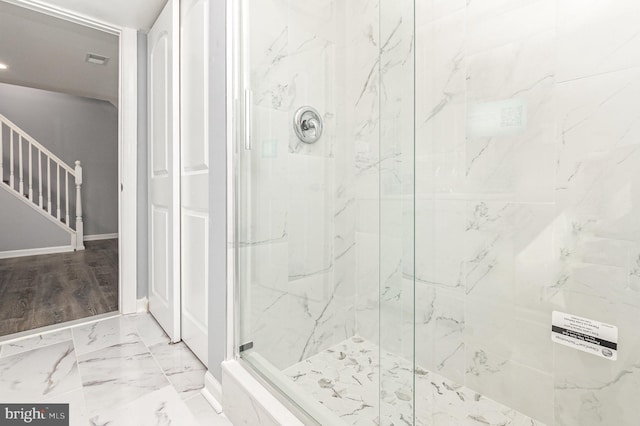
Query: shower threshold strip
{"x": 346, "y": 380}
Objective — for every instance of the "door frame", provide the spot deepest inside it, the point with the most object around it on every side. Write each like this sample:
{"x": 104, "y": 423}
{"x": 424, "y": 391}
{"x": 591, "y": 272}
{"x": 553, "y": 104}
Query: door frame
{"x": 127, "y": 144}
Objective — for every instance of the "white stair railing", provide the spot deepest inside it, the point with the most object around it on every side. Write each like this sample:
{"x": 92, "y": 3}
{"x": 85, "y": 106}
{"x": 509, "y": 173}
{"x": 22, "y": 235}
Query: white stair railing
{"x": 64, "y": 175}
{"x": 79, "y": 224}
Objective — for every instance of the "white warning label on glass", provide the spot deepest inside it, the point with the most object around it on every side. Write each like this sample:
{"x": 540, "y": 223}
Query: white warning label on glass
{"x": 586, "y": 335}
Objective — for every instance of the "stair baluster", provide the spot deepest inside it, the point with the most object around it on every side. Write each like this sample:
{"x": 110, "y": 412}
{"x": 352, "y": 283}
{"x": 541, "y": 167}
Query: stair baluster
{"x": 20, "y": 165}
{"x": 40, "y": 198}
{"x": 49, "y": 185}
{"x": 66, "y": 196}
{"x": 63, "y": 175}
{"x": 30, "y": 173}
{"x": 11, "y": 165}
{"x": 58, "y": 189}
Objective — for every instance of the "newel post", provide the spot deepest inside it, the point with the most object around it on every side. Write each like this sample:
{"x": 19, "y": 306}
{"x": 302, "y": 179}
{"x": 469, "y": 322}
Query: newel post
{"x": 79, "y": 224}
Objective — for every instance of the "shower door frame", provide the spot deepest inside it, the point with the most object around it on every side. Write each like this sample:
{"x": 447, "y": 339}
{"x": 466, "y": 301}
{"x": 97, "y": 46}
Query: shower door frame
{"x": 237, "y": 80}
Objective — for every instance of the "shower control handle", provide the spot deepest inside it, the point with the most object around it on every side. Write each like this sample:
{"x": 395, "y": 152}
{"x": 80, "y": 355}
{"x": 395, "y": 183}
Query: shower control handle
{"x": 310, "y": 124}
{"x": 307, "y": 124}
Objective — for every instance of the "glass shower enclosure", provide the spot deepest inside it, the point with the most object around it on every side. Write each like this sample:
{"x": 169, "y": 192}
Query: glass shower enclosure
{"x": 437, "y": 209}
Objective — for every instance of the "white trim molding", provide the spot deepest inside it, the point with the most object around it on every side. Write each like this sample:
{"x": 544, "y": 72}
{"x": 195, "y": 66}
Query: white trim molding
{"x": 128, "y": 173}
{"x": 142, "y": 305}
{"x": 57, "y": 327}
{"x": 212, "y": 392}
{"x": 67, "y": 15}
{"x": 35, "y": 252}
{"x": 98, "y": 237}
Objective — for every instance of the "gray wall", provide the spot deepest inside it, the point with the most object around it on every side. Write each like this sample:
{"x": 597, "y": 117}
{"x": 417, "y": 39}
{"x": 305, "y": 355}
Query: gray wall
{"x": 218, "y": 190}
{"x": 73, "y": 128}
{"x": 24, "y": 228}
{"x": 142, "y": 220}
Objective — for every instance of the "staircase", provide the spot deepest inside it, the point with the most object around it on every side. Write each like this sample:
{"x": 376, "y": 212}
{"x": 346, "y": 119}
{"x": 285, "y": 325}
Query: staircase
{"x": 35, "y": 176}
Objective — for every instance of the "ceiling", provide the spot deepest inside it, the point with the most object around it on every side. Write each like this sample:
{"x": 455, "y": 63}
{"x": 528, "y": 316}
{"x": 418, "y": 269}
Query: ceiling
{"x": 136, "y": 14}
{"x": 49, "y": 53}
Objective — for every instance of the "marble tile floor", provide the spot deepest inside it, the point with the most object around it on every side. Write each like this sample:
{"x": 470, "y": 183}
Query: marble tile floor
{"x": 118, "y": 371}
{"x": 346, "y": 379}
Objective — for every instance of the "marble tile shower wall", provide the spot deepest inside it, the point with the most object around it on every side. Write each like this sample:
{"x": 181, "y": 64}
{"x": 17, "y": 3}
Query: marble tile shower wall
{"x": 363, "y": 113}
{"x": 528, "y": 199}
{"x": 313, "y": 248}
{"x": 379, "y": 111}
{"x": 300, "y": 247}
{"x": 396, "y": 181}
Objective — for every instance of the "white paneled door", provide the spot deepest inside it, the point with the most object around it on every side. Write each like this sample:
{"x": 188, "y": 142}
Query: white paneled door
{"x": 163, "y": 170}
{"x": 194, "y": 52}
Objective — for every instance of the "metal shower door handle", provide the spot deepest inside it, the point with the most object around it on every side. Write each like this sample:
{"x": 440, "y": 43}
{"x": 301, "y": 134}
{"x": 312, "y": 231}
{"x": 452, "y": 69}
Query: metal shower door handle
{"x": 248, "y": 119}
{"x": 307, "y": 123}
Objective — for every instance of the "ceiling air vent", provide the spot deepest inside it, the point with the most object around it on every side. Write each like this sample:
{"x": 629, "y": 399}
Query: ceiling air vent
{"x": 92, "y": 58}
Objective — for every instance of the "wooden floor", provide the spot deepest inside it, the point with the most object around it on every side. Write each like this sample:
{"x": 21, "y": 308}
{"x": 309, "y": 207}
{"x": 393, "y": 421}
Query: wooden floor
{"x": 37, "y": 291}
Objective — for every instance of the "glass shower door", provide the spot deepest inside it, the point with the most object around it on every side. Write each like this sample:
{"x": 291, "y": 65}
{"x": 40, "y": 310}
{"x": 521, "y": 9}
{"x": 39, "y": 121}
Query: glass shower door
{"x": 297, "y": 209}
{"x": 474, "y": 190}
{"x": 325, "y": 227}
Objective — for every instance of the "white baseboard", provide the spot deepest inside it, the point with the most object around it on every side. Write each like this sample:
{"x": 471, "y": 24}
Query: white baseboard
{"x": 212, "y": 392}
{"x": 142, "y": 305}
{"x": 35, "y": 252}
{"x": 100, "y": 237}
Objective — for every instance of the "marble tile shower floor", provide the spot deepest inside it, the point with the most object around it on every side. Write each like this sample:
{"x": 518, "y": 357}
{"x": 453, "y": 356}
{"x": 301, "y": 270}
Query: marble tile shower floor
{"x": 119, "y": 371}
{"x": 346, "y": 379}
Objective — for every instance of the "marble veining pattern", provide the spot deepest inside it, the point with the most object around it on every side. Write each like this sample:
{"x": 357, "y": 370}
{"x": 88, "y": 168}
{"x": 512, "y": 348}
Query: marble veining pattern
{"x": 33, "y": 342}
{"x": 346, "y": 379}
{"x": 109, "y": 375}
{"x": 299, "y": 245}
{"x": 161, "y": 407}
{"x": 532, "y": 212}
{"x": 526, "y": 193}
{"x": 53, "y": 371}
{"x": 109, "y": 382}
{"x": 183, "y": 369}
{"x": 103, "y": 334}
